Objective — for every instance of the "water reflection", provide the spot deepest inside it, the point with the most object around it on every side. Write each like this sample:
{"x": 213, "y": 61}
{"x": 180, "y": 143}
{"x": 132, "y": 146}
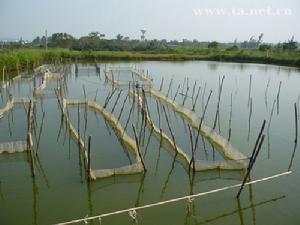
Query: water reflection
{"x": 239, "y": 211}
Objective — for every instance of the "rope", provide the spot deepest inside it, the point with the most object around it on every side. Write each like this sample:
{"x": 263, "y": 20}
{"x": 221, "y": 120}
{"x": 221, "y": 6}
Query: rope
{"x": 188, "y": 197}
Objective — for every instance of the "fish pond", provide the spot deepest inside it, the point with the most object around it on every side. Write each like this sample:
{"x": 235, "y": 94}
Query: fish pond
{"x": 108, "y": 101}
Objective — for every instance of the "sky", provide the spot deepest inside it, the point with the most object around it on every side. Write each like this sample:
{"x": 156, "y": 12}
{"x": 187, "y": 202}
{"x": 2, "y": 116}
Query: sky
{"x": 204, "y": 20}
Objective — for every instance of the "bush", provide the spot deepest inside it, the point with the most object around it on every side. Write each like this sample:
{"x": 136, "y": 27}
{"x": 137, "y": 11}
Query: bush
{"x": 264, "y": 47}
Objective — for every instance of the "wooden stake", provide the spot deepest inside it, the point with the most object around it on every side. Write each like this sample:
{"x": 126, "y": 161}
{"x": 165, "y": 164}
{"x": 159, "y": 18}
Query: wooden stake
{"x": 170, "y": 85}
{"x": 117, "y": 100}
{"x": 197, "y": 95}
{"x": 201, "y": 120}
{"x": 176, "y": 92}
{"x": 172, "y": 135}
{"x": 41, "y": 129}
{"x": 192, "y": 162}
{"x": 138, "y": 148}
{"x": 161, "y": 84}
{"x": 219, "y": 99}
{"x": 230, "y": 117}
{"x": 296, "y": 123}
{"x": 251, "y": 166}
{"x": 89, "y": 157}
{"x": 250, "y": 84}
{"x": 278, "y": 93}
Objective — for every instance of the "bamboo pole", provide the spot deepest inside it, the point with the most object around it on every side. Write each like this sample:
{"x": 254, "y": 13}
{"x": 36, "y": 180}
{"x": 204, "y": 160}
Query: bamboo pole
{"x": 78, "y": 124}
{"x": 138, "y": 148}
{"x": 170, "y": 86}
{"x": 249, "y": 120}
{"x": 117, "y": 100}
{"x": 192, "y": 162}
{"x": 161, "y": 84}
{"x": 169, "y": 126}
{"x": 187, "y": 90}
{"x": 251, "y": 166}
{"x": 296, "y": 123}
{"x": 129, "y": 115}
{"x": 109, "y": 97}
{"x": 250, "y": 84}
{"x": 197, "y": 95}
{"x": 271, "y": 114}
{"x": 194, "y": 89}
{"x": 41, "y": 129}
{"x": 230, "y": 118}
{"x": 219, "y": 99}
{"x": 123, "y": 105}
{"x": 201, "y": 120}
{"x": 278, "y": 93}
{"x": 266, "y": 93}
{"x": 95, "y": 98}
{"x": 176, "y": 92}
{"x": 89, "y": 158}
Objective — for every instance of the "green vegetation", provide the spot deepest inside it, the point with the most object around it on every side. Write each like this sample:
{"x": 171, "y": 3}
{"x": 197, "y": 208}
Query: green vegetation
{"x": 33, "y": 57}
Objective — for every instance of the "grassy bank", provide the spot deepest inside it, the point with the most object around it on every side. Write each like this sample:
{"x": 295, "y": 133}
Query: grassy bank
{"x": 33, "y": 57}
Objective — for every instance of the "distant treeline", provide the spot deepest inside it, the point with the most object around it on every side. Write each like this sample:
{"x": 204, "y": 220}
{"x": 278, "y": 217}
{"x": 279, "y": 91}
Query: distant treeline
{"x": 95, "y": 41}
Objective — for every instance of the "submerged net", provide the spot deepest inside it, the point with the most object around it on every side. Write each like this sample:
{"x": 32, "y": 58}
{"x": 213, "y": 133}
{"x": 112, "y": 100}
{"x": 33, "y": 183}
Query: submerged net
{"x": 127, "y": 141}
{"x": 13, "y": 147}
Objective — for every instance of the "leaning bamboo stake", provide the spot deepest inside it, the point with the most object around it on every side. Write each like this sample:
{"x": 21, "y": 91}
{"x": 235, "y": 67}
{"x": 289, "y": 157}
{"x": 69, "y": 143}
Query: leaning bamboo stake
{"x": 250, "y": 84}
{"x": 251, "y": 166}
{"x": 117, "y": 100}
{"x": 109, "y": 97}
{"x": 257, "y": 141}
{"x": 218, "y": 104}
{"x": 123, "y": 105}
{"x": 78, "y": 124}
{"x": 278, "y": 93}
{"x": 170, "y": 86}
{"x": 197, "y": 95}
{"x": 84, "y": 92}
{"x": 169, "y": 126}
{"x": 95, "y": 98}
{"x": 194, "y": 89}
{"x": 266, "y": 93}
{"x": 296, "y": 123}
{"x": 230, "y": 118}
{"x": 161, "y": 84}
{"x": 138, "y": 148}
{"x": 249, "y": 120}
{"x": 176, "y": 92}
{"x": 89, "y": 158}
{"x": 129, "y": 115}
{"x": 85, "y": 121}
{"x": 203, "y": 94}
{"x": 192, "y": 162}
{"x": 41, "y": 129}
{"x": 201, "y": 121}
{"x": 271, "y": 114}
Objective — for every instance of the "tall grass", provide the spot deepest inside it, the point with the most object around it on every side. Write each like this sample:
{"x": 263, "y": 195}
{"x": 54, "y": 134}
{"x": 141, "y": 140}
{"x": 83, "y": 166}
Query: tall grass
{"x": 25, "y": 57}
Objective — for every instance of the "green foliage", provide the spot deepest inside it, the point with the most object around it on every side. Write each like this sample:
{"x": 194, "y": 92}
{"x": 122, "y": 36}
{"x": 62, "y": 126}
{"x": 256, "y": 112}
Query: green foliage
{"x": 213, "y": 45}
{"x": 10, "y": 58}
{"x": 232, "y": 48}
{"x": 264, "y": 47}
{"x": 290, "y": 45}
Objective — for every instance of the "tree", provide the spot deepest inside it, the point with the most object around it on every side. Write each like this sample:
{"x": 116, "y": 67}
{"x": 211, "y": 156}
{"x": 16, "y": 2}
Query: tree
{"x": 94, "y": 34}
{"x": 62, "y": 40}
{"x": 264, "y": 47}
{"x": 213, "y": 45}
{"x": 119, "y": 37}
{"x": 291, "y": 45}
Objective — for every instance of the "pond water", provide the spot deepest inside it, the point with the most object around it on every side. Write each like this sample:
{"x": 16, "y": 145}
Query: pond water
{"x": 60, "y": 191}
